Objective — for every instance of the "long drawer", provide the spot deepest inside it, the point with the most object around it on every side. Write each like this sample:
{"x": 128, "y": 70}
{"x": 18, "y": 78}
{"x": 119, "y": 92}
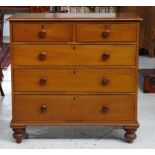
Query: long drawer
{"x": 106, "y": 32}
{"x": 74, "y": 54}
{"x": 74, "y": 108}
{"x": 75, "y": 80}
{"x": 39, "y": 31}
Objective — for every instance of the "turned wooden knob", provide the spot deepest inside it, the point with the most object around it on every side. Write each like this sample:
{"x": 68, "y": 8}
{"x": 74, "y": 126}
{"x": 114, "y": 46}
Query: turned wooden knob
{"x": 43, "y": 108}
{"x": 105, "y": 56}
{"x": 42, "y": 33}
{"x": 43, "y": 81}
{"x": 105, "y": 109}
{"x": 106, "y": 33}
{"x": 105, "y": 81}
{"x": 42, "y": 56}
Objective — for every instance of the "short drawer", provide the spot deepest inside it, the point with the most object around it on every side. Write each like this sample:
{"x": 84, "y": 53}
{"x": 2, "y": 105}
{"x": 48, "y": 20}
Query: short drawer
{"x": 75, "y": 80}
{"x": 74, "y": 55}
{"x": 28, "y": 32}
{"x": 106, "y": 32}
{"x": 74, "y": 108}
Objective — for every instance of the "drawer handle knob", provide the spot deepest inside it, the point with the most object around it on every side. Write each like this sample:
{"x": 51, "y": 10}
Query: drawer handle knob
{"x": 42, "y": 33}
{"x": 105, "y": 81}
{"x": 42, "y": 56}
{"x": 43, "y": 108}
{"x": 105, "y": 56}
{"x": 106, "y": 33}
{"x": 43, "y": 81}
{"x": 105, "y": 109}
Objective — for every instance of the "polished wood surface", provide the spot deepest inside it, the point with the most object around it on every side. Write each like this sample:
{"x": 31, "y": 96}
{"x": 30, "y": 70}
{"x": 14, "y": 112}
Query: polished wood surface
{"x": 106, "y": 32}
{"x": 74, "y": 108}
{"x": 73, "y": 69}
{"x": 43, "y": 55}
{"x": 42, "y": 32}
{"x": 84, "y": 32}
{"x": 75, "y": 80}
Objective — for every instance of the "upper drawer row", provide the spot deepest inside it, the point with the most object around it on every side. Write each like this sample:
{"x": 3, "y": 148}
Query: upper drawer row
{"x": 68, "y": 32}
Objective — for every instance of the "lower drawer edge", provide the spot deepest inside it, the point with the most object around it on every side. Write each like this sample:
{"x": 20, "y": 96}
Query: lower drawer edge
{"x": 74, "y": 123}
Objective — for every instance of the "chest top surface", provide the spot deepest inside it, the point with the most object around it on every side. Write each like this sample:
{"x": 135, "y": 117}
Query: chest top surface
{"x": 74, "y": 17}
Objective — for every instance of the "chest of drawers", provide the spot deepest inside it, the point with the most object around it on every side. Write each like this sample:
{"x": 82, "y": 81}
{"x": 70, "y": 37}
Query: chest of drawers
{"x": 74, "y": 71}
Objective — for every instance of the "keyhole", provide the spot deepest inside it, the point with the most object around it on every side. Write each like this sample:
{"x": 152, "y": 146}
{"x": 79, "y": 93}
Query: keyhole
{"x": 74, "y": 47}
{"x": 107, "y": 26}
{"x": 74, "y": 98}
{"x": 42, "y": 27}
{"x": 74, "y": 72}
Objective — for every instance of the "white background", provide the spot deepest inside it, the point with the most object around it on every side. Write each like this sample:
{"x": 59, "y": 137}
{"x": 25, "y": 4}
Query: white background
{"x": 77, "y": 2}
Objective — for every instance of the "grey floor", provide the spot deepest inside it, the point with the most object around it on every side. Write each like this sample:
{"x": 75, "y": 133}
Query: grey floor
{"x": 81, "y": 137}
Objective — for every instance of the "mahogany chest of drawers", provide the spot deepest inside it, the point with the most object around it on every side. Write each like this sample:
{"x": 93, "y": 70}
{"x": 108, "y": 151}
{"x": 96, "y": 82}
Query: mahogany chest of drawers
{"x": 74, "y": 70}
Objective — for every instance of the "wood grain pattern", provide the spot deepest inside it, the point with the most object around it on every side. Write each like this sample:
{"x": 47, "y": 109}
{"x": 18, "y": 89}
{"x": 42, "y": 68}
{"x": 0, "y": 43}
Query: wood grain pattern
{"x": 117, "y": 32}
{"x": 74, "y": 55}
{"x": 75, "y": 80}
{"x": 74, "y": 71}
{"x": 74, "y": 108}
{"x": 54, "y": 32}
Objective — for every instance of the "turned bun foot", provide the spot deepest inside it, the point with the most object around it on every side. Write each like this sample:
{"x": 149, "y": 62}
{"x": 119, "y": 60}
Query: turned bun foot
{"x": 19, "y": 134}
{"x": 18, "y": 137}
{"x": 130, "y": 134}
{"x": 130, "y": 137}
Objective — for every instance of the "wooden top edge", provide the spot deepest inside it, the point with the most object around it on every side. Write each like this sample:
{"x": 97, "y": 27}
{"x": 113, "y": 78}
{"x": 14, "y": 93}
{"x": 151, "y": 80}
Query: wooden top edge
{"x": 74, "y": 17}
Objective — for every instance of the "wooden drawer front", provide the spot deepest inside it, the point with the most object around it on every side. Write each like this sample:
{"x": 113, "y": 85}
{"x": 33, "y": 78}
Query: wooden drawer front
{"x": 42, "y": 32}
{"x": 106, "y": 32}
{"x": 74, "y": 55}
{"x": 70, "y": 108}
{"x": 75, "y": 80}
